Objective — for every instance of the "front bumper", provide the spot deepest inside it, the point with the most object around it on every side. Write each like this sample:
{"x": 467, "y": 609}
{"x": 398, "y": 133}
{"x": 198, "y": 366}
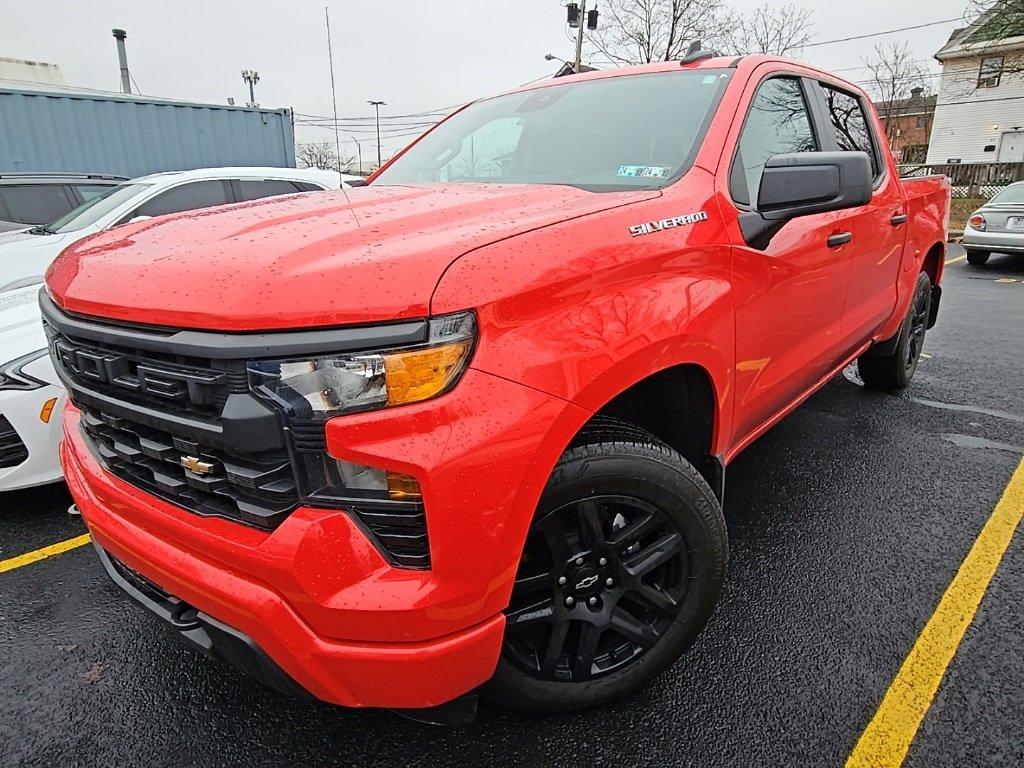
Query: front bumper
{"x": 315, "y": 595}
{"x": 38, "y": 439}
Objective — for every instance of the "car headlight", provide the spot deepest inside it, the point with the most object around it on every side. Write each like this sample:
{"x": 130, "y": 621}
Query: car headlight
{"x": 330, "y": 385}
{"x": 12, "y": 375}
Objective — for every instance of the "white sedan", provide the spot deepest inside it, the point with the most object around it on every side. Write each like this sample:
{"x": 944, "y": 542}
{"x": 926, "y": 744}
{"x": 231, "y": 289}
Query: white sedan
{"x": 31, "y": 396}
{"x": 26, "y": 254}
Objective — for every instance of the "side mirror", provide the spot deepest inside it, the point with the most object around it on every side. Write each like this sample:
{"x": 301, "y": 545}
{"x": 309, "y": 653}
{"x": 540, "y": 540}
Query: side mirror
{"x": 804, "y": 183}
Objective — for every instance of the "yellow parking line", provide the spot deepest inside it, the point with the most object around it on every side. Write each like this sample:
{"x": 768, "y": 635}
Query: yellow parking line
{"x": 41, "y": 554}
{"x": 958, "y": 258}
{"x": 888, "y": 736}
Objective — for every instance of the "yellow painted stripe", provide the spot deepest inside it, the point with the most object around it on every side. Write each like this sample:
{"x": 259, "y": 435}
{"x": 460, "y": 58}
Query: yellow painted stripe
{"x": 41, "y": 554}
{"x": 889, "y": 734}
{"x": 958, "y": 258}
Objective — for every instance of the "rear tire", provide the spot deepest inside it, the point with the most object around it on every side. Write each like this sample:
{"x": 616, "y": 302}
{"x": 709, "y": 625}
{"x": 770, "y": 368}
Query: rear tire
{"x": 894, "y": 371}
{"x": 621, "y": 570}
{"x": 978, "y": 258}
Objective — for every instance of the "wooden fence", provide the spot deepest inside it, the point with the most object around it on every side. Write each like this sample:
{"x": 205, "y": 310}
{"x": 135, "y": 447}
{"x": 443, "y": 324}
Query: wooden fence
{"x": 970, "y": 179}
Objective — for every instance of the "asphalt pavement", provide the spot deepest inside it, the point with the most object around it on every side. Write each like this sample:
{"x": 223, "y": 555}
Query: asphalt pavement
{"x": 847, "y": 523}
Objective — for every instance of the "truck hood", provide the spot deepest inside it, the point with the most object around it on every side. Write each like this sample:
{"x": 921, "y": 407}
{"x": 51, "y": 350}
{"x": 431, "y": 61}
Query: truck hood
{"x": 305, "y": 260}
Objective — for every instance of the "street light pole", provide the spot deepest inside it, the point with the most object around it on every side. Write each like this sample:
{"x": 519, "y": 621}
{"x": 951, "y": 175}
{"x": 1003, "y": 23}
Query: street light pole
{"x": 377, "y": 105}
{"x": 359, "y": 150}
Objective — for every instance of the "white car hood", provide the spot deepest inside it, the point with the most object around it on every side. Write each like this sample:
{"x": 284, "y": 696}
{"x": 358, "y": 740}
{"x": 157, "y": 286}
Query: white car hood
{"x": 25, "y": 256}
{"x": 21, "y": 330}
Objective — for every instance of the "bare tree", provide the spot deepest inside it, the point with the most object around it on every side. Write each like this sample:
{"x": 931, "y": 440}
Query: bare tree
{"x": 894, "y": 73}
{"x": 642, "y": 31}
{"x": 775, "y": 29}
{"x": 320, "y": 154}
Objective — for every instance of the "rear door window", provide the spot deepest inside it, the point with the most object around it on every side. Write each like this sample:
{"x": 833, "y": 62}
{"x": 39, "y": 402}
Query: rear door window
{"x": 777, "y": 123}
{"x": 91, "y": 191}
{"x": 254, "y": 189}
{"x": 36, "y": 203}
{"x": 846, "y": 113}
{"x": 187, "y": 197}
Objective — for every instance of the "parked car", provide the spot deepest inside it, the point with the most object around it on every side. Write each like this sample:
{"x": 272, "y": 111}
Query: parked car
{"x": 30, "y": 199}
{"x": 998, "y": 226}
{"x": 31, "y": 396}
{"x": 470, "y": 428}
{"x": 25, "y": 254}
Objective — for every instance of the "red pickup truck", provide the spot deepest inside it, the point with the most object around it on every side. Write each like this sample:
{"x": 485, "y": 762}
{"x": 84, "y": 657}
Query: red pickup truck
{"x": 467, "y": 427}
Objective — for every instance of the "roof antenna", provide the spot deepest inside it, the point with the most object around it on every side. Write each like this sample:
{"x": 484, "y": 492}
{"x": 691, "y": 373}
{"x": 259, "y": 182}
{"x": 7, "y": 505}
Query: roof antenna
{"x": 334, "y": 99}
{"x": 694, "y": 53}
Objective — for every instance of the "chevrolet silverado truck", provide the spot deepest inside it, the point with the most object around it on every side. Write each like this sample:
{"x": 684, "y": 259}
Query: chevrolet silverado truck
{"x": 466, "y": 428}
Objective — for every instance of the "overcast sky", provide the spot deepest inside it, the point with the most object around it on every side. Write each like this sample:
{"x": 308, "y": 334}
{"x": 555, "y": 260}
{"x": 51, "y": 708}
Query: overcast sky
{"x": 416, "y": 56}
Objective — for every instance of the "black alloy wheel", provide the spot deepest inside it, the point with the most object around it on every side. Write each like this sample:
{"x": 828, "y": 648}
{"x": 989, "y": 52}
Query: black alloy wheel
{"x": 621, "y": 569}
{"x": 601, "y": 580}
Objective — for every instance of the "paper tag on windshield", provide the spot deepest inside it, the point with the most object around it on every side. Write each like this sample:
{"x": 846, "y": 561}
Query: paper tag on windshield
{"x": 645, "y": 171}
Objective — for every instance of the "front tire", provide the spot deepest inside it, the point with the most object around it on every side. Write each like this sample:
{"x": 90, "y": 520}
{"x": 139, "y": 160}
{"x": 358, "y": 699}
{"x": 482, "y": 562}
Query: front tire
{"x": 894, "y": 371}
{"x": 978, "y": 258}
{"x": 621, "y": 570}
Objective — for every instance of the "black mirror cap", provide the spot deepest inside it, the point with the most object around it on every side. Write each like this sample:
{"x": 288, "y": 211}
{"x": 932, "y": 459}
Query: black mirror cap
{"x": 803, "y": 183}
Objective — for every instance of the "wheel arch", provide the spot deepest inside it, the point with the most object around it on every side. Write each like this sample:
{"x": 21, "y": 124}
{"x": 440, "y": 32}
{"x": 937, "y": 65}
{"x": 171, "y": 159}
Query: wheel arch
{"x": 679, "y": 405}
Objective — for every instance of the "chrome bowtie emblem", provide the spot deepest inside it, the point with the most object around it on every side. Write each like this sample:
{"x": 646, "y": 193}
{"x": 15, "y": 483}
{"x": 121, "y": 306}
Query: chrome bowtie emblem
{"x": 196, "y": 466}
{"x": 587, "y": 581}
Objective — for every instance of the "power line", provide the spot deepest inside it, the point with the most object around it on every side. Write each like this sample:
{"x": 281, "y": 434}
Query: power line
{"x": 885, "y": 32}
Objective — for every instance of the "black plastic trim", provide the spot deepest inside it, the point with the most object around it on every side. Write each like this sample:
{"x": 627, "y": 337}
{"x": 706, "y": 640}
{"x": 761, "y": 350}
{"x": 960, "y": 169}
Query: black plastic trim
{"x": 200, "y": 630}
{"x": 233, "y": 346}
{"x": 933, "y": 313}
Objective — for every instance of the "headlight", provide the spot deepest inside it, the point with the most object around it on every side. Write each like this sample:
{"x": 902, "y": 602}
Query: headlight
{"x": 13, "y": 377}
{"x": 330, "y": 385}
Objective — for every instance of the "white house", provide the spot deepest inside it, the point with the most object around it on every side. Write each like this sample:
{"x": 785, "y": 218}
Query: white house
{"x": 979, "y": 115}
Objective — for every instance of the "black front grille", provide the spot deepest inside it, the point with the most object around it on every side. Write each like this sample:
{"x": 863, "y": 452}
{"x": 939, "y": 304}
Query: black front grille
{"x": 171, "y": 413}
{"x": 258, "y": 489}
{"x": 175, "y": 383}
{"x": 12, "y": 449}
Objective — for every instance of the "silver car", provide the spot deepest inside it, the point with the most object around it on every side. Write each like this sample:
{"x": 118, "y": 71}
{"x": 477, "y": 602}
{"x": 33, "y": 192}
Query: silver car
{"x": 997, "y": 226}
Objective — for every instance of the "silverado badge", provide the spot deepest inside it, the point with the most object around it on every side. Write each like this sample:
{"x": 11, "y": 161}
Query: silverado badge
{"x": 650, "y": 227}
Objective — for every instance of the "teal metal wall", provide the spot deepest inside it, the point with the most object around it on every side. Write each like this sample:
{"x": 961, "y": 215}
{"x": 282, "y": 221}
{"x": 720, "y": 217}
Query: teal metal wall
{"x": 61, "y": 131}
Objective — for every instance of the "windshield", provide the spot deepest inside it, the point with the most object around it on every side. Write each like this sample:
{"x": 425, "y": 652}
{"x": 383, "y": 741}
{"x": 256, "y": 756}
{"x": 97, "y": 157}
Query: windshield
{"x": 89, "y": 213}
{"x": 1012, "y": 194}
{"x": 627, "y": 132}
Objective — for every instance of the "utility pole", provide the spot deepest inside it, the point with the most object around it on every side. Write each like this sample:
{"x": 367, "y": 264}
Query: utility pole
{"x": 576, "y": 13}
{"x": 251, "y": 76}
{"x": 359, "y": 151}
{"x": 579, "y": 39}
{"x": 377, "y": 105}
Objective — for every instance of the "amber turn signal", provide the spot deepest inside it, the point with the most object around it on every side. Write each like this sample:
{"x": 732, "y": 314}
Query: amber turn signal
{"x": 423, "y": 373}
{"x": 403, "y": 487}
{"x": 47, "y": 412}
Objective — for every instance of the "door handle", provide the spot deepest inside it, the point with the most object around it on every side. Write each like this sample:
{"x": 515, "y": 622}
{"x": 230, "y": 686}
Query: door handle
{"x": 839, "y": 238}
{"x": 899, "y": 218}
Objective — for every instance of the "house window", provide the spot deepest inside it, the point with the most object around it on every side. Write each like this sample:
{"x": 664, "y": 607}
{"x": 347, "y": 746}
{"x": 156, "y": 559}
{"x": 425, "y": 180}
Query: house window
{"x": 922, "y": 121}
{"x": 990, "y": 72}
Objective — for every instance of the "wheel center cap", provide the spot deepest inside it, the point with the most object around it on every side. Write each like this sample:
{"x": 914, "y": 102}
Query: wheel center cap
{"x": 585, "y": 581}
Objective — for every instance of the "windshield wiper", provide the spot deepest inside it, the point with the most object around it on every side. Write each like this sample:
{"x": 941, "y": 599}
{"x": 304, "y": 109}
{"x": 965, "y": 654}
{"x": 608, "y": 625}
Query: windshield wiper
{"x": 42, "y": 230}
